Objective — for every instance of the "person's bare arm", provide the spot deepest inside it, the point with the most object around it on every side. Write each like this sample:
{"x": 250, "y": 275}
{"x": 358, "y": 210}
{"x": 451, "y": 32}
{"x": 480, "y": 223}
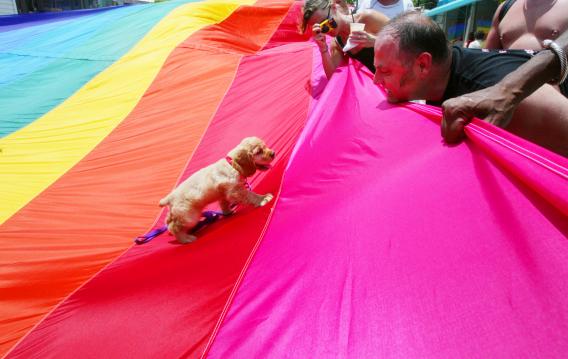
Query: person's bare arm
{"x": 374, "y": 22}
{"x": 493, "y": 40}
{"x": 331, "y": 56}
{"x": 497, "y": 103}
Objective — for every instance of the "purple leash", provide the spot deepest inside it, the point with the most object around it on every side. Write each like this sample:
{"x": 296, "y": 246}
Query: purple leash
{"x": 150, "y": 235}
{"x": 208, "y": 218}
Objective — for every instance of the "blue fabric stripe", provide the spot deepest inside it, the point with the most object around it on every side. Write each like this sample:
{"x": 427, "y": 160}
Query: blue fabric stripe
{"x": 43, "y": 64}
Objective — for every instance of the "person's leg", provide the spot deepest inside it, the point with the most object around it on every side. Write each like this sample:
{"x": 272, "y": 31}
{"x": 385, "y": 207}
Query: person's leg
{"x": 542, "y": 118}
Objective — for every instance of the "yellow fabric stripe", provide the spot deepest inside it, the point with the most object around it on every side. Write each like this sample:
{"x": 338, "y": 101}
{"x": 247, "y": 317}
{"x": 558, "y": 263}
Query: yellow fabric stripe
{"x": 34, "y": 157}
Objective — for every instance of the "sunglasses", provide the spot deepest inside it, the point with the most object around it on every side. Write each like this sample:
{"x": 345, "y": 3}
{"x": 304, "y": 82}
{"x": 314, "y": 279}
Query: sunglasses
{"x": 328, "y": 24}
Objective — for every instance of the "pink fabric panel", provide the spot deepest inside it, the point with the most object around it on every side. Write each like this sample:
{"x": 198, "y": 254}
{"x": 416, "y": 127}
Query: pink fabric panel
{"x": 505, "y": 148}
{"x": 386, "y": 243}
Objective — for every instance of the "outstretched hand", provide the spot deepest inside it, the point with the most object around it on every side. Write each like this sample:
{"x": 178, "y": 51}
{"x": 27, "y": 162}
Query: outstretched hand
{"x": 494, "y": 104}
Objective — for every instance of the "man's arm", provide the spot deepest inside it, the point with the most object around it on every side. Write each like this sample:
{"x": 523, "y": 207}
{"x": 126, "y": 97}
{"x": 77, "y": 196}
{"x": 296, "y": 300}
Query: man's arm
{"x": 497, "y": 103}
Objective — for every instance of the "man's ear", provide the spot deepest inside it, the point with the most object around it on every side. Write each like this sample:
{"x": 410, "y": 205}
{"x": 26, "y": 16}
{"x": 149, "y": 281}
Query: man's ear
{"x": 423, "y": 64}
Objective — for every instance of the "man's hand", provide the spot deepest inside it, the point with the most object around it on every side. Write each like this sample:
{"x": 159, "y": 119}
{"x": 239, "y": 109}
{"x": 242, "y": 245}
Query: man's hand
{"x": 494, "y": 104}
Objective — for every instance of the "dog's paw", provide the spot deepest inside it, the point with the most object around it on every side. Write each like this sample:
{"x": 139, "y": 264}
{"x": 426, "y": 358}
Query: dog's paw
{"x": 229, "y": 212}
{"x": 186, "y": 238}
{"x": 267, "y": 198}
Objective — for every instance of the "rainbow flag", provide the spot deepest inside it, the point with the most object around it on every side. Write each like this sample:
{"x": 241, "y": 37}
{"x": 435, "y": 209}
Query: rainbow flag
{"x": 381, "y": 241}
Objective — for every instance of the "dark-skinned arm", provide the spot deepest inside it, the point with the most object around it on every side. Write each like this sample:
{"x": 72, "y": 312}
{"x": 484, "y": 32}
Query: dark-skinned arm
{"x": 497, "y": 103}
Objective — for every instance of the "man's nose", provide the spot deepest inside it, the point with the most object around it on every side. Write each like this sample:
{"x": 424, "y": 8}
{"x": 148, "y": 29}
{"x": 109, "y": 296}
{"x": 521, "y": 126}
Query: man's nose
{"x": 377, "y": 79}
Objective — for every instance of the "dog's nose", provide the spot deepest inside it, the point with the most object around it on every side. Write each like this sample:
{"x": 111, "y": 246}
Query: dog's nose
{"x": 272, "y": 154}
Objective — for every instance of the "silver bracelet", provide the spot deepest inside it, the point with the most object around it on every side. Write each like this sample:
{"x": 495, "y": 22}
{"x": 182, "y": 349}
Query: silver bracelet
{"x": 552, "y": 46}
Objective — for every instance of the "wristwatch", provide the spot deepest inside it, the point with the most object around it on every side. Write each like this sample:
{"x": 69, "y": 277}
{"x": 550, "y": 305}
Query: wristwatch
{"x": 552, "y": 46}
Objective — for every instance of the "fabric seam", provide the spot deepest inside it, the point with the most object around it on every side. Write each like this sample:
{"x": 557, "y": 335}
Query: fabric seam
{"x": 246, "y": 266}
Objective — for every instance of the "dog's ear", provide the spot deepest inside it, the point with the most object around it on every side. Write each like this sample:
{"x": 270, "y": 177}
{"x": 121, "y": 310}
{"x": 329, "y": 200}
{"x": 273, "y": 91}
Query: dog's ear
{"x": 243, "y": 162}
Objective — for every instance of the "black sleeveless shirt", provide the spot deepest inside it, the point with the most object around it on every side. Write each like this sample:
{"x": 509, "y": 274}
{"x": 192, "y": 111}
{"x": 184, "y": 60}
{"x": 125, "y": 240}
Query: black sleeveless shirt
{"x": 474, "y": 69}
{"x": 366, "y": 55}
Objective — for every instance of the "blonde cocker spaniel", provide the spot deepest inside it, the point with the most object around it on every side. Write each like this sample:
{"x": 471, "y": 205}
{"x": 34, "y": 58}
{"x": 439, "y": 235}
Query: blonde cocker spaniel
{"x": 223, "y": 181}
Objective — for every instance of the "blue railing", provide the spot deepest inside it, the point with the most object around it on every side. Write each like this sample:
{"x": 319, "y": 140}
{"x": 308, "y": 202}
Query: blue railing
{"x": 448, "y": 5}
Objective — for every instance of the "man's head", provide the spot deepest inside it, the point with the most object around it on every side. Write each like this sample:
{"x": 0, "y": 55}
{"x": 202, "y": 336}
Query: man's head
{"x": 480, "y": 35}
{"x": 407, "y": 52}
